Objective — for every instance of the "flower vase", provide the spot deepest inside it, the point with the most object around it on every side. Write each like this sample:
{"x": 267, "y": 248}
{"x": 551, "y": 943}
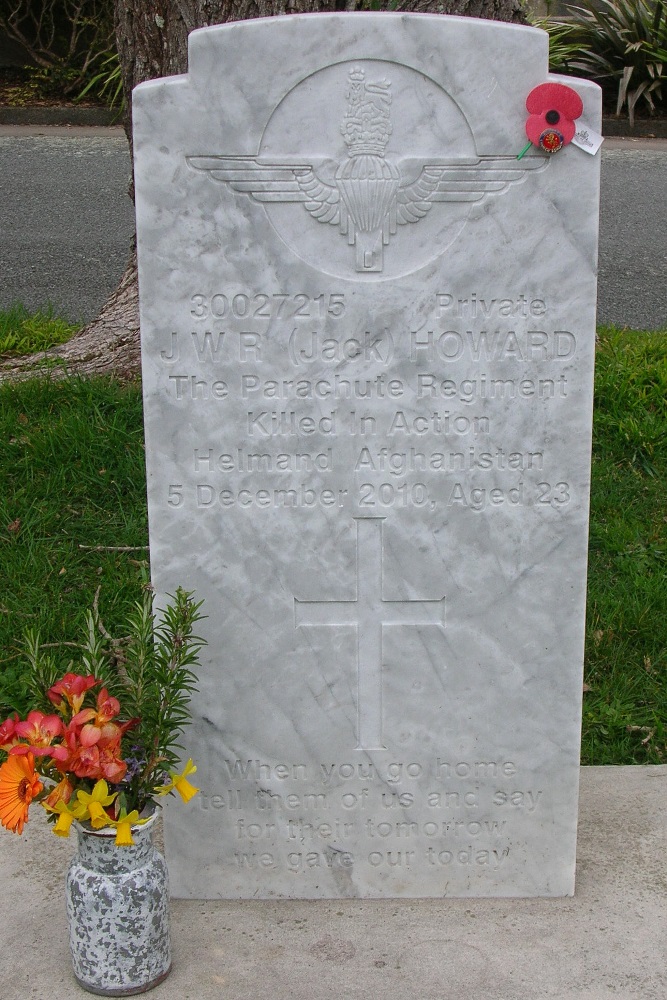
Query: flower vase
{"x": 118, "y": 912}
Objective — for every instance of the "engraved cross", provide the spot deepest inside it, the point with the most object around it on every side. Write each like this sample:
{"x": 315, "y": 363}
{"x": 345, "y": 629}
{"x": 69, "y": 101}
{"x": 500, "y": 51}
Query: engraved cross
{"x": 369, "y": 613}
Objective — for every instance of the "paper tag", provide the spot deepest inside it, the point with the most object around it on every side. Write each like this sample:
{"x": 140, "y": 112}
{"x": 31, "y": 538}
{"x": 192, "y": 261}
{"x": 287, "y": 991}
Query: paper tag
{"x": 587, "y": 138}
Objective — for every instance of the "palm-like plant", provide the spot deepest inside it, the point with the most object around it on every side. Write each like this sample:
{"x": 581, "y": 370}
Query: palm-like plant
{"x": 622, "y": 44}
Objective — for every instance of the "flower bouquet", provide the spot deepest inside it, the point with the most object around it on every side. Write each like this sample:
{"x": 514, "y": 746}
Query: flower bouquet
{"x": 99, "y": 747}
{"x": 101, "y": 744}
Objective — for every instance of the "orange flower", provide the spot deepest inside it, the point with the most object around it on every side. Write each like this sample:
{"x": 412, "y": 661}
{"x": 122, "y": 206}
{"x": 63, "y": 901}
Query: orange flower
{"x": 62, "y": 792}
{"x": 18, "y": 786}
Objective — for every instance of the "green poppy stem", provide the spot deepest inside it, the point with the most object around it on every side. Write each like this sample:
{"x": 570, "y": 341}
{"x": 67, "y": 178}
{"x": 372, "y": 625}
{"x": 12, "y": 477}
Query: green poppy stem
{"x": 524, "y": 150}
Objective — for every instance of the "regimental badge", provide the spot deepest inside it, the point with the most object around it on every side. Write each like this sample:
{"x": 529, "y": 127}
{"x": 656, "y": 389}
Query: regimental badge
{"x": 370, "y": 194}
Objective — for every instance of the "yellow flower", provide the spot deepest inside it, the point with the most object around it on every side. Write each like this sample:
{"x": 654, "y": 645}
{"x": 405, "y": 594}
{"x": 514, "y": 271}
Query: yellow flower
{"x": 66, "y": 816}
{"x": 124, "y": 826}
{"x": 179, "y": 783}
{"x": 63, "y": 823}
{"x": 95, "y": 803}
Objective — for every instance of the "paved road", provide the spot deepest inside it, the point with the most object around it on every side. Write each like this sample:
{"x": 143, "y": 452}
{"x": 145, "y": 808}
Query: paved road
{"x": 632, "y": 282}
{"x": 66, "y": 223}
{"x": 65, "y": 219}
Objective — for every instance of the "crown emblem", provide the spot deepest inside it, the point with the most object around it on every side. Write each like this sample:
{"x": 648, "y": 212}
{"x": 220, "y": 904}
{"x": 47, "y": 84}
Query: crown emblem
{"x": 366, "y": 126}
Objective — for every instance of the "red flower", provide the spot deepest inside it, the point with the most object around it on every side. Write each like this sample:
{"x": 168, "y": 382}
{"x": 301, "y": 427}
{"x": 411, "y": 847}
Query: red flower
{"x": 71, "y": 690}
{"x": 111, "y": 767}
{"x": 108, "y": 707}
{"x": 40, "y": 731}
{"x": 95, "y": 728}
{"x": 85, "y": 763}
{"x": 553, "y": 109}
{"x": 8, "y": 735}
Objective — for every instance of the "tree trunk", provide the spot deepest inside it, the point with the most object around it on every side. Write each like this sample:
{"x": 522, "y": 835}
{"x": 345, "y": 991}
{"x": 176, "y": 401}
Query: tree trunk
{"x": 152, "y": 42}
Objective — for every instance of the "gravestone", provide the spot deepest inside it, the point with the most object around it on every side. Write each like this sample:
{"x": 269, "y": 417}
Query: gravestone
{"x": 368, "y": 339}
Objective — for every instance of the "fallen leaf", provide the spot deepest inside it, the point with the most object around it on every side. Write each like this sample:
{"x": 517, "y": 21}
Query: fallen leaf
{"x": 14, "y": 527}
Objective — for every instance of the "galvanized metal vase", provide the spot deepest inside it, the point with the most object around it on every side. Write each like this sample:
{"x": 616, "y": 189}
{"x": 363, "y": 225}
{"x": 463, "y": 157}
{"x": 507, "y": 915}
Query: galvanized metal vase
{"x": 118, "y": 912}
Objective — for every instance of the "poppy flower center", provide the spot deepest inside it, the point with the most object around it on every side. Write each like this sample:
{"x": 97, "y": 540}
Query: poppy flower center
{"x": 552, "y": 117}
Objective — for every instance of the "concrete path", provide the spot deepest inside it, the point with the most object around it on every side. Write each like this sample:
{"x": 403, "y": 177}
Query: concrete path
{"x": 608, "y": 942}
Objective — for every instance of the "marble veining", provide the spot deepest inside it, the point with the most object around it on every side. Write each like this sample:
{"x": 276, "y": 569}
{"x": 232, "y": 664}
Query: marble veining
{"x": 368, "y": 341}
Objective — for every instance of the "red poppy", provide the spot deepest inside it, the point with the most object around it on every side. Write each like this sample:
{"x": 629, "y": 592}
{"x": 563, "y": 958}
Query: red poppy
{"x": 553, "y": 109}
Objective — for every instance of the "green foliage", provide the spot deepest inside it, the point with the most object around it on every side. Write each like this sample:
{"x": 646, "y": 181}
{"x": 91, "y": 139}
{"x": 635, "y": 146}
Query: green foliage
{"x": 621, "y": 44}
{"x": 72, "y": 513}
{"x": 40, "y": 84}
{"x": 562, "y": 48}
{"x": 22, "y": 332}
{"x": 157, "y": 682}
{"x": 106, "y": 82}
{"x": 148, "y": 670}
{"x": 625, "y": 710}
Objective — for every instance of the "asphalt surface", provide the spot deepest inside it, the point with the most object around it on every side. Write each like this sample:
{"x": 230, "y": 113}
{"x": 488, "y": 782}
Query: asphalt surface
{"x": 632, "y": 279}
{"x": 66, "y": 222}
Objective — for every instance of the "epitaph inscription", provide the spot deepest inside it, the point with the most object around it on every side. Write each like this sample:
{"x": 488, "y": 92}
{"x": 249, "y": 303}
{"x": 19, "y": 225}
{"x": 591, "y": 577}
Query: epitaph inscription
{"x": 368, "y": 339}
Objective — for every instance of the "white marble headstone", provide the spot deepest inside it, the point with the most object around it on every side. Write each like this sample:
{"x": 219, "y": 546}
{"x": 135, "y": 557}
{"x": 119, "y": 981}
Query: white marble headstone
{"x": 368, "y": 338}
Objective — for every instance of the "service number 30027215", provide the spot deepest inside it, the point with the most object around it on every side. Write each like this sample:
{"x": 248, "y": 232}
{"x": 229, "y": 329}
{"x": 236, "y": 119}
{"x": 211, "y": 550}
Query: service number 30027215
{"x": 263, "y": 306}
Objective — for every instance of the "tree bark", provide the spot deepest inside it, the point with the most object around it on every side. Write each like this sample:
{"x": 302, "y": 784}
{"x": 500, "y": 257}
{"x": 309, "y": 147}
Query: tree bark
{"x": 107, "y": 346}
{"x": 152, "y": 42}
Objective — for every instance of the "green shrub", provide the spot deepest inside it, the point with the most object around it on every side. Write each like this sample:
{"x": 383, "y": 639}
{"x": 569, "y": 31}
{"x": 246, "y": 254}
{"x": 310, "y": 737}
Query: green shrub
{"x": 106, "y": 83}
{"x": 621, "y": 44}
{"x": 65, "y": 41}
{"x": 562, "y": 48}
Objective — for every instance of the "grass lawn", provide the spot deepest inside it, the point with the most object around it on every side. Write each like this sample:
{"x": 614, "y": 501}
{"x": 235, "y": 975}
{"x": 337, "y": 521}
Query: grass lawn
{"x": 73, "y": 519}
{"x": 72, "y": 480}
{"x": 625, "y": 710}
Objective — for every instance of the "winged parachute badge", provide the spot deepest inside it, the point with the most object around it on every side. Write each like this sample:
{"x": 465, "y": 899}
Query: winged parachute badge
{"x": 370, "y": 196}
